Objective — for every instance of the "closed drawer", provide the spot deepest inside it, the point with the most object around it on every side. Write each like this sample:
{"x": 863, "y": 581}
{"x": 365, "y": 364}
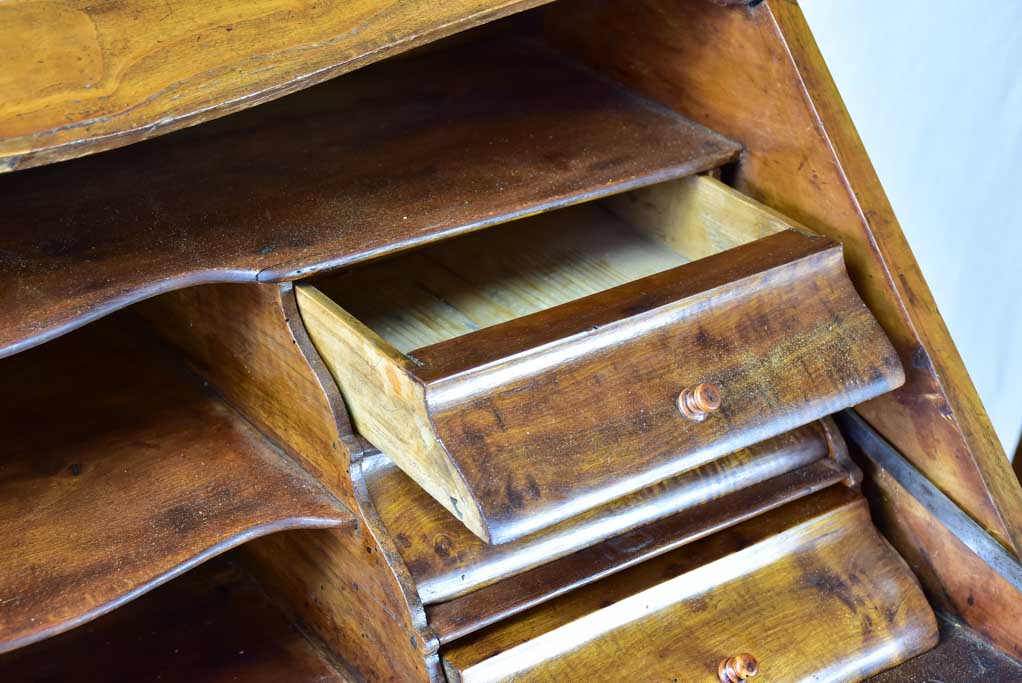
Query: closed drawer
{"x": 527, "y": 373}
{"x": 810, "y": 591}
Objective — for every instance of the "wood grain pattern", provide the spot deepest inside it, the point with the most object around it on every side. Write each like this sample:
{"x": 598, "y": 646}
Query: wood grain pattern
{"x": 119, "y": 472}
{"x": 775, "y": 324}
{"x": 756, "y": 75}
{"x": 446, "y": 560}
{"x": 281, "y": 191}
{"x": 508, "y": 271}
{"x": 80, "y": 78}
{"x": 240, "y": 339}
{"x": 957, "y": 579}
{"x": 453, "y": 619}
{"x": 349, "y": 587}
{"x": 811, "y": 590}
{"x": 212, "y": 625}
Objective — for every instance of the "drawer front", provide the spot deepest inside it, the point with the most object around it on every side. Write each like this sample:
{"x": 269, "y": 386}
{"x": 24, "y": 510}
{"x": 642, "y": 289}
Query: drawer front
{"x": 810, "y": 591}
{"x": 530, "y": 421}
{"x": 447, "y": 561}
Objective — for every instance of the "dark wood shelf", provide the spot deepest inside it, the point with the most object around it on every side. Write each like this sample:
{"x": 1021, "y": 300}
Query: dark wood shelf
{"x": 121, "y": 470}
{"x": 388, "y": 157}
{"x": 213, "y": 624}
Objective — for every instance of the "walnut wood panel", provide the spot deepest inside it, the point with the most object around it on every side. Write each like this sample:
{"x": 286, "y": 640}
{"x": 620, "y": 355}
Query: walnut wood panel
{"x": 120, "y": 471}
{"x": 811, "y": 590}
{"x": 240, "y": 339}
{"x": 348, "y": 587}
{"x": 956, "y": 578}
{"x": 80, "y": 78}
{"x": 212, "y": 625}
{"x": 446, "y": 560}
{"x": 282, "y": 190}
{"x": 512, "y": 427}
{"x": 455, "y": 618}
{"x": 755, "y": 73}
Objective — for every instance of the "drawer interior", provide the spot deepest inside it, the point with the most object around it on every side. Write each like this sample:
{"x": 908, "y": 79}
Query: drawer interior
{"x": 489, "y": 277}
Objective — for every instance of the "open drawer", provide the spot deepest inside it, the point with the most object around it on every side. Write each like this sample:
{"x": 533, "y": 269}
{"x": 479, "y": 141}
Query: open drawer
{"x": 529, "y": 372}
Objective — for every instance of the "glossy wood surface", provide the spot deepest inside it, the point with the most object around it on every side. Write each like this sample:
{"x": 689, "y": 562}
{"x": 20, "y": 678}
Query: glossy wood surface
{"x": 755, "y": 73}
{"x": 119, "y": 471}
{"x": 347, "y": 586}
{"x": 511, "y": 427}
{"x": 959, "y": 581}
{"x": 212, "y": 625}
{"x": 455, "y": 618}
{"x": 811, "y": 590}
{"x": 446, "y": 560}
{"x": 284, "y": 190}
{"x": 80, "y": 78}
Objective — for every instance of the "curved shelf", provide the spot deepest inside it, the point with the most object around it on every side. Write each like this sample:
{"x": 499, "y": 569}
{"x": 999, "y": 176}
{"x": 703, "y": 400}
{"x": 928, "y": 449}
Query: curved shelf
{"x": 121, "y": 470}
{"x": 214, "y": 624}
{"x": 392, "y": 156}
{"x": 104, "y": 76}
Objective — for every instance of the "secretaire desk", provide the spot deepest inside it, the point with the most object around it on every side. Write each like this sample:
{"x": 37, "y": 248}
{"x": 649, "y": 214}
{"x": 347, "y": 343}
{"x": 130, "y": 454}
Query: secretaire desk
{"x": 473, "y": 340}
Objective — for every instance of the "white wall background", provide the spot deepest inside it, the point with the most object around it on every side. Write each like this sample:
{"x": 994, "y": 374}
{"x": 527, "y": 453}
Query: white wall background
{"x": 935, "y": 90}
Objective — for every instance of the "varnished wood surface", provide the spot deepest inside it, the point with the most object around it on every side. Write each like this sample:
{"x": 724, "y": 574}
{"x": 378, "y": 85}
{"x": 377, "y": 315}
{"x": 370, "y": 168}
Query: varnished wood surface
{"x": 455, "y": 618}
{"x": 511, "y": 427}
{"x": 80, "y": 78}
{"x": 447, "y": 141}
{"x": 811, "y": 590}
{"x": 959, "y": 581}
{"x": 446, "y": 560}
{"x": 347, "y": 586}
{"x": 119, "y": 471}
{"x": 212, "y": 625}
{"x": 755, "y": 73}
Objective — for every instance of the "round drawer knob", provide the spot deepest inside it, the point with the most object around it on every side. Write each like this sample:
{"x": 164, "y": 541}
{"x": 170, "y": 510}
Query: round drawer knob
{"x": 697, "y": 402}
{"x": 738, "y": 668}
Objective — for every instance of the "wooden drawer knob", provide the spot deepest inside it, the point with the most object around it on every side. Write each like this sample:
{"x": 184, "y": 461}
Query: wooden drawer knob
{"x": 697, "y": 402}
{"x": 739, "y": 668}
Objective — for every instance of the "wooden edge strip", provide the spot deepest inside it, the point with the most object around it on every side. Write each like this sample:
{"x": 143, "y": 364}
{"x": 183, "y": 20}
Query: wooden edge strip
{"x": 942, "y": 508}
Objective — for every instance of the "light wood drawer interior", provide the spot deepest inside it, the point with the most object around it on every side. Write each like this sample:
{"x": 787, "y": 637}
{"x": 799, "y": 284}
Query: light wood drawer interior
{"x": 523, "y": 384}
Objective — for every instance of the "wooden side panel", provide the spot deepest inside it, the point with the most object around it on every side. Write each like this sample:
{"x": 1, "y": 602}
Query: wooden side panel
{"x": 820, "y": 597}
{"x": 240, "y": 339}
{"x": 754, "y": 73}
{"x": 80, "y": 78}
{"x": 388, "y": 404}
{"x": 955, "y": 577}
{"x": 349, "y": 588}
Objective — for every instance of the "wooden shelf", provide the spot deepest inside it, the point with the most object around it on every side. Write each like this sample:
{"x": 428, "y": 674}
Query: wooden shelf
{"x": 213, "y": 624}
{"x": 121, "y": 470}
{"x": 96, "y": 79}
{"x": 389, "y": 157}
